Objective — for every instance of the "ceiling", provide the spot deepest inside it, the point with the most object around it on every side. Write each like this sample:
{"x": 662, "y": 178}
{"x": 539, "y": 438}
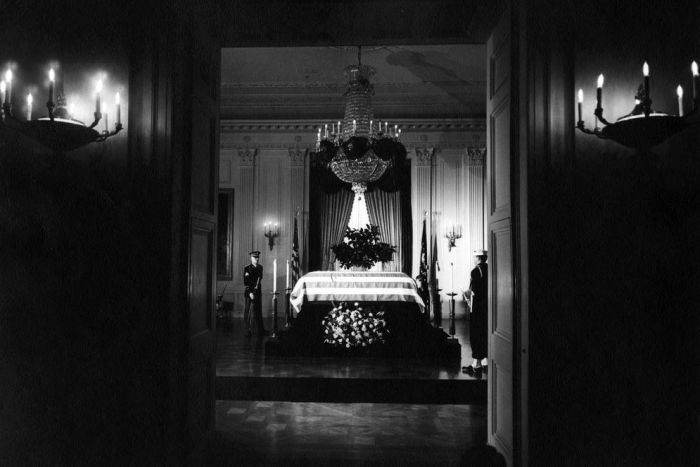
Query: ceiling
{"x": 411, "y": 81}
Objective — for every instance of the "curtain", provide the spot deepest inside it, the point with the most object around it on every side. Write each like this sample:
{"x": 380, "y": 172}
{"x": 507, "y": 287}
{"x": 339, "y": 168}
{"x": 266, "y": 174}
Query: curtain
{"x": 333, "y": 217}
{"x": 391, "y": 212}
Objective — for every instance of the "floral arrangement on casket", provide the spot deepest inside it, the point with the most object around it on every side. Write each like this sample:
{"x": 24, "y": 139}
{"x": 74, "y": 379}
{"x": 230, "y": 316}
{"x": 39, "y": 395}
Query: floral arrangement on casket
{"x": 361, "y": 248}
{"x": 346, "y": 327}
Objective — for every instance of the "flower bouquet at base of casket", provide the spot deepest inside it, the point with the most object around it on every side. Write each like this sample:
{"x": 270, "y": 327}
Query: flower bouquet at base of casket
{"x": 354, "y": 329}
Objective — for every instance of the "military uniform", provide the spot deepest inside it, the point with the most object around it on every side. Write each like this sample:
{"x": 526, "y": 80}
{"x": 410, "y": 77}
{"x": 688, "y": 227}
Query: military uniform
{"x": 478, "y": 319}
{"x": 252, "y": 278}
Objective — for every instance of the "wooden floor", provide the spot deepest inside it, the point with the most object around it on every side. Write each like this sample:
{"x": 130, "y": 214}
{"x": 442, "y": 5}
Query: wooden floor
{"x": 343, "y": 411}
{"x": 295, "y": 433}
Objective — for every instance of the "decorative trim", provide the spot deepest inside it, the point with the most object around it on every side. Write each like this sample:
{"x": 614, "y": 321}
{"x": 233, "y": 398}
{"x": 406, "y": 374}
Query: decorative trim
{"x": 424, "y": 156}
{"x": 311, "y": 126}
{"x": 476, "y": 156}
{"x": 247, "y": 156}
{"x": 297, "y": 156}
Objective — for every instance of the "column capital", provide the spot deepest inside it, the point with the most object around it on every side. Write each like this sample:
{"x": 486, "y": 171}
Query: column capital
{"x": 424, "y": 156}
{"x": 297, "y": 156}
{"x": 247, "y": 156}
{"x": 476, "y": 156}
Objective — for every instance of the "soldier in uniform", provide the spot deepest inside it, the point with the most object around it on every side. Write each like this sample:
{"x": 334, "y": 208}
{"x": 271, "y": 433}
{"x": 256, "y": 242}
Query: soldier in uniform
{"x": 478, "y": 319}
{"x": 252, "y": 277}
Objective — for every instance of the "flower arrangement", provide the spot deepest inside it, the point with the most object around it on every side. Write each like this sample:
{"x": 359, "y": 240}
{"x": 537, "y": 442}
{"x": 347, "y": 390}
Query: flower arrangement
{"x": 362, "y": 248}
{"x": 346, "y": 327}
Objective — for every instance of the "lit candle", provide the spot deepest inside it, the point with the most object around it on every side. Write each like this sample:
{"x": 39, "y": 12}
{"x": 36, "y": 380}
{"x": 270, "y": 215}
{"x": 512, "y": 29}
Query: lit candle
{"x": 679, "y": 91}
{"x": 325, "y": 131}
{"x": 452, "y": 276}
{"x": 30, "y": 100}
{"x": 380, "y": 126}
{"x": 599, "y": 91}
{"x": 386, "y": 127}
{"x": 71, "y": 110}
{"x": 104, "y": 114}
{"x": 338, "y": 127}
{"x": 370, "y": 127}
{"x": 287, "y": 283}
{"x": 3, "y": 88}
{"x": 98, "y": 89}
{"x": 396, "y": 130}
{"x": 8, "y": 80}
{"x": 580, "y": 103}
{"x": 354, "y": 127}
{"x": 645, "y": 70}
{"x": 318, "y": 137}
{"x": 333, "y": 128}
{"x": 399, "y": 135}
{"x": 274, "y": 276}
{"x": 696, "y": 79}
{"x": 52, "y": 79}
{"x": 117, "y": 101}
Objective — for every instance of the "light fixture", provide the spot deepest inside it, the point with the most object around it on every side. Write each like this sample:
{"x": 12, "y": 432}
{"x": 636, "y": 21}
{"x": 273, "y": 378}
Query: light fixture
{"x": 643, "y": 127}
{"x": 452, "y": 235}
{"x": 359, "y": 149}
{"x": 59, "y": 130}
{"x": 271, "y": 231}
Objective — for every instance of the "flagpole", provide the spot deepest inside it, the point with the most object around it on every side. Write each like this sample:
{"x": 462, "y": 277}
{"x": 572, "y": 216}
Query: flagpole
{"x": 431, "y": 285}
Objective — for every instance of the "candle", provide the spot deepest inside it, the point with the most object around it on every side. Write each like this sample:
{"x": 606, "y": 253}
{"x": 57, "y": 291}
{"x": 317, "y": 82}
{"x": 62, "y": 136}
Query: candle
{"x": 71, "y": 110}
{"x": 118, "y": 103}
{"x": 370, "y": 127}
{"x": 386, "y": 127}
{"x": 679, "y": 91}
{"x": 3, "y": 88}
{"x": 8, "y": 80}
{"x": 104, "y": 114}
{"x": 30, "y": 100}
{"x": 696, "y": 78}
{"x": 325, "y": 131}
{"x": 52, "y": 78}
{"x": 645, "y": 70}
{"x": 98, "y": 89}
{"x": 380, "y": 126}
{"x": 287, "y": 282}
{"x": 354, "y": 126}
{"x": 452, "y": 277}
{"x": 396, "y": 130}
{"x": 580, "y": 103}
{"x": 399, "y": 135}
{"x": 338, "y": 127}
{"x": 599, "y": 91}
{"x": 274, "y": 276}
{"x": 333, "y": 128}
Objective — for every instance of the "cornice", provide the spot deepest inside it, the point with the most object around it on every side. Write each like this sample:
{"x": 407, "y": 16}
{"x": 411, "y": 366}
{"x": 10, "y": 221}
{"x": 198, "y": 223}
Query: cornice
{"x": 310, "y": 126}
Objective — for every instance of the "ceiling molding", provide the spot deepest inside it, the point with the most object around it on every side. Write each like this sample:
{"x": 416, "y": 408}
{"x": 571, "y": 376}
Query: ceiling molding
{"x": 310, "y": 126}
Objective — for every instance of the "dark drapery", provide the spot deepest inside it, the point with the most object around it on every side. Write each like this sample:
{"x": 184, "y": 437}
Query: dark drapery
{"x": 389, "y": 208}
{"x": 331, "y": 206}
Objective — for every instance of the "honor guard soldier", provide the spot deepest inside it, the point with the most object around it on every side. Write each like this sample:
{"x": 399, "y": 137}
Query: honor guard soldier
{"x": 478, "y": 319}
{"x": 252, "y": 278}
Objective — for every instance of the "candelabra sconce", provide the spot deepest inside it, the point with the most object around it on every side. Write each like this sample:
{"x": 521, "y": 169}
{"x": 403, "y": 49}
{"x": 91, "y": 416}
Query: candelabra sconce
{"x": 271, "y": 231}
{"x": 452, "y": 235}
{"x": 59, "y": 131}
{"x": 643, "y": 127}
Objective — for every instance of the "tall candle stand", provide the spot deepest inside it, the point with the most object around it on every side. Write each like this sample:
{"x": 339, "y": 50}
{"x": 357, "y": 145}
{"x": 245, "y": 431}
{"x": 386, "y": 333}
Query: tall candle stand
{"x": 452, "y": 314}
{"x": 287, "y": 307}
{"x": 274, "y": 315}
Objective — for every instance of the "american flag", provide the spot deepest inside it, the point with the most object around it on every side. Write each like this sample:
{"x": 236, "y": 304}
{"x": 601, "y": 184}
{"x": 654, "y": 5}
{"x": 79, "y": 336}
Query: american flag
{"x": 295, "y": 254}
{"x": 423, "y": 269}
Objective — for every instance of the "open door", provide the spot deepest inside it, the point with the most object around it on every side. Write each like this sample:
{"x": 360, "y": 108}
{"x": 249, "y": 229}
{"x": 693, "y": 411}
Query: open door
{"x": 506, "y": 380}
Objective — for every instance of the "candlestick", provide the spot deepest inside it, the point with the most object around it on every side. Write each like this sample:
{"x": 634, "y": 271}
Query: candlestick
{"x": 117, "y": 101}
{"x": 30, "y": 99}
{"x": 696, "y": 79}
{"x": 98, "y": 89}
{"x": 580, "y": 103}
{"x": 599, "y": 91}
{"x": 8, "y": 80}
{"x": 286, "y": 284}
{"x": 104, "y": 114}
{"x": 52, "y": 78}
{"x": 274, "y": 276}
{"x": 679, "y": 92}
{"x": 3, "y": 88}
{"x": 645, "y": 70}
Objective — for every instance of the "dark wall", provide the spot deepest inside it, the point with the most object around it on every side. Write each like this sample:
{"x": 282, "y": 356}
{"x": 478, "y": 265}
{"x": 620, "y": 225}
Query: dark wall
{"x": 614, "y": 276}
{"x": 84, "y": 254}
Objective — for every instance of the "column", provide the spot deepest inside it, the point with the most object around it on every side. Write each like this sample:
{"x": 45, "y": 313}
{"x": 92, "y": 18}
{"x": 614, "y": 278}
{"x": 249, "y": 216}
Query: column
{"x": 244, "y": 219}
{"x": 476, "y": 207}
{"x": 298, "y": 201}
{"x": 420, "y": 197}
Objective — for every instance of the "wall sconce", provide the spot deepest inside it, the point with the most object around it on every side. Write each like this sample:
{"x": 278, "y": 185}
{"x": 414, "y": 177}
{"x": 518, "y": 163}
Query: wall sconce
{"x": 453, "y": 234}
{"x": 271, "y": 231}
{"x": 643, "y": 127}
{"x": 59, "y": 130}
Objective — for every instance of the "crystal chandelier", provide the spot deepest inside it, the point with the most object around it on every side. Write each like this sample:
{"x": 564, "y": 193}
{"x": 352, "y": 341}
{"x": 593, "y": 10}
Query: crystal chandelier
{"x": 357, "y": 150}
{"x": 59, "y": 130}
